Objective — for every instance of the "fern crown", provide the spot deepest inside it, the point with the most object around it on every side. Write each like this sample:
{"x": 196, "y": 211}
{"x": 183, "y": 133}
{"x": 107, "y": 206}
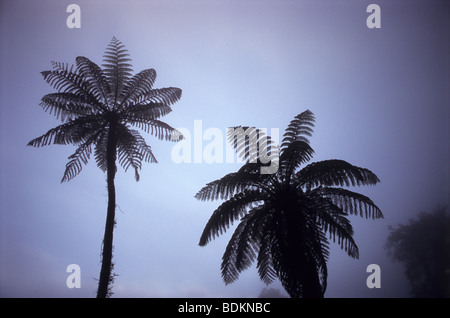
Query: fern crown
{"x": 287, "y": 219}
{"x": 95, "y": 102}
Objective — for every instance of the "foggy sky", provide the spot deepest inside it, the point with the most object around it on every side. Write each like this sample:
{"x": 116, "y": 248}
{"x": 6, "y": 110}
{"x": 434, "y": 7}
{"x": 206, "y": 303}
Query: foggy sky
{"x": 380, "y": 97}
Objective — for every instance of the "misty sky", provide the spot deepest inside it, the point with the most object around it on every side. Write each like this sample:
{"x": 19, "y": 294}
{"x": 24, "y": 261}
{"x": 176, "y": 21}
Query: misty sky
{"x": 380, "y": 97}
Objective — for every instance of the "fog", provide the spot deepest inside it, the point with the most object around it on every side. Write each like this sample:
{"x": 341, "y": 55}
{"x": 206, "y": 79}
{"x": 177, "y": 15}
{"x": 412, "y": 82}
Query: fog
{"x": 379, "y": 95}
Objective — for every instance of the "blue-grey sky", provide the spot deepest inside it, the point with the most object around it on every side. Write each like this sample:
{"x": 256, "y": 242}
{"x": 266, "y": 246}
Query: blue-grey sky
{"x": 380, "y": 97}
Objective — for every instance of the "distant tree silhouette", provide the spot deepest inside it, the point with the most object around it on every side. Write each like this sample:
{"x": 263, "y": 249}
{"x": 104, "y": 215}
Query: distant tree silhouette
{"x": 271, "y": 293}
{"x": 98, "y": 106}
{"x": 285, "y": 217}
{"x": 423, "y": 245}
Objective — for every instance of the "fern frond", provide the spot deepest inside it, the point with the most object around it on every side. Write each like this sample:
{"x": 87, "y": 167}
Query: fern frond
{"x": 67, "y": 80}
{"x": 230, "y": 272}
{"x": 247, "y": 177}
{"x": 333, "y": 221}
{"x": 228, "y": 212}
{"x": 100, "y": 150}
{"x": 253, "y": 233}
{"x": 334, "y": 172}
{"x": 138, "y": 86}
{"x": 244, "y": 244}
{"x": 244, "y": 141}
{"x": 148, "y": 111}
{"x": 94, "y": 75}
{"x": 74, "y": 166}
{"x": 221, "y": 188}
{"x": 81, "y": 156}
{"x": 251, "y": 143}
{"x": 116, "y": 68}
{"x": 132, "y": 150}
{"x": 166, "y": 95}
{"x": 66, "y": 106}
{"x": 73, "y": 132}
{"x": 264, "y": 263}
{"x": 320, "y": 254}
{"x": 294, "y": 154}
{"x": 298, "y": 129}
{"x": 351, "y": 202}
{"x": 158, "y": 128}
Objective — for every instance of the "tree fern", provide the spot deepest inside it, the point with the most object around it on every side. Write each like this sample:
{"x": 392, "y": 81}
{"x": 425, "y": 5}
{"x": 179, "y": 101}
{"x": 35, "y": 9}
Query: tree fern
{"x": 287, "y": 220}
{"x": 98, "y": 107}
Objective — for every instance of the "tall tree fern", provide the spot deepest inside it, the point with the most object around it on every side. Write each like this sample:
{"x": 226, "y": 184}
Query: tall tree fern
{"x": 98, "y": 107}
{"x": 288, "y": 218}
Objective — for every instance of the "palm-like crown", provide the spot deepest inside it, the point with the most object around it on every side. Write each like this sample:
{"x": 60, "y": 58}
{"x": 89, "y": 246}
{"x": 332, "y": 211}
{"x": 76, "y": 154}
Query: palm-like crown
{"x": 286, "y": 219}
{"x": 94, "y": 102}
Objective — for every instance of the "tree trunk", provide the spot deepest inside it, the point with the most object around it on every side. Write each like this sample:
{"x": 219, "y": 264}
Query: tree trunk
{"x": 299, "y": 256}
{"x": 311, "y": 286}
{"x": 105, "y": 273}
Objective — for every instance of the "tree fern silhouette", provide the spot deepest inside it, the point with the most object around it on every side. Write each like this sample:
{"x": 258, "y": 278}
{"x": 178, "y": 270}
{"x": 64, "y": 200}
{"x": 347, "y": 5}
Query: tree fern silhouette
{"x": 287, "y": 219}
{"x": 98, "y": 108}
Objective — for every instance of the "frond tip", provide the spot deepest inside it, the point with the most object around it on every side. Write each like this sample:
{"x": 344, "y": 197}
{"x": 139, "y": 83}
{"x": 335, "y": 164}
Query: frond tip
{"x": 300, "y": 128}
{"x": 74, "y": 166}
{"x": 335, "y": 172}
{"x": 228, "y": 212}
{"x": 116, "y": 67}
{"x": 351, "y": 202}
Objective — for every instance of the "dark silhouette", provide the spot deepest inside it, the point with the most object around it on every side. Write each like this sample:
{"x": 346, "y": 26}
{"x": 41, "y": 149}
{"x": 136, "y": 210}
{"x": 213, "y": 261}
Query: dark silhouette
{"x": 423, "y": 245}
{"x": 97, "y": 107}
{"x": 285, "y": 217}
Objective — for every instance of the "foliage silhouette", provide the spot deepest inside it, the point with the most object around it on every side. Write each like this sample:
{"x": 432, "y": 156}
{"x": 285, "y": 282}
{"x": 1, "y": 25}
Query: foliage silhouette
{"x": 98, "y": 106}
{"x": 285, "y": 217}
{"x": 271, "y": 293}
{"x": 423, "y": 245}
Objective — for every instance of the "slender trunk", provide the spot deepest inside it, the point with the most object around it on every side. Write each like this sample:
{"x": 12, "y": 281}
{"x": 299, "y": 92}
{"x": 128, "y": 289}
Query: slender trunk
{"x": 105, "y": 273}
{"x": 308, "y": 279}
{"x": 299, "y": 256}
